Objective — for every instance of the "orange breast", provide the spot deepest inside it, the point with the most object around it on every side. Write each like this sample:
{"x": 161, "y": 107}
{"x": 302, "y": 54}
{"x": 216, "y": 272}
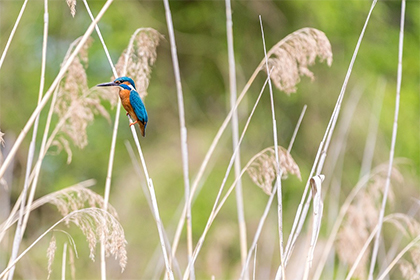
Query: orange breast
{"x": 125, "y": 101}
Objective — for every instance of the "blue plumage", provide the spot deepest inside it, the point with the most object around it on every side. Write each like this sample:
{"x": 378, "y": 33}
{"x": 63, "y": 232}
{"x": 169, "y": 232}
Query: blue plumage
{"x": 131, "y": 101}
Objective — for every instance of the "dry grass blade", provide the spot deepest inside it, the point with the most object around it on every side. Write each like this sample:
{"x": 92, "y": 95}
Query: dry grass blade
{"x": 52, "y": 247}
{"x": 262, "y": 167}
{"x": 291, "y": 57}
{"x": 76, "y": 104}
{"x": 140, "y": 58}
{"x": 318, "y": 206}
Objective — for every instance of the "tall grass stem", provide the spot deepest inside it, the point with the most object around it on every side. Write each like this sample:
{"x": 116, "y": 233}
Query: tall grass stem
{"x": 183, "y": 131}
{"x": 235, "y": 133}
{"x": 113, "y": 141}
{"x": 278, "y": 173}
{"x": 323, "y": 148}
{"x": 20, "y": 228}
{"x": 393, "y": 141}
{"x": 12, "y": 33}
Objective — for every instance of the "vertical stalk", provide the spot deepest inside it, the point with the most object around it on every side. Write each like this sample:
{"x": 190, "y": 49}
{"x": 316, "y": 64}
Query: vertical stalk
{"x": 278, "y": 172}
{"x": 167, "y": 257}
{"x": 113, "y": 141}
{"x": 323, "y": 148}
{"x": 12, "y": 34}
{"x": 392, "y": 150}
{"x": 63, "y": 263}
{"x": 235, "y": 133}
{"x": 184, "y": 146}
{"x": 20, "y": 228}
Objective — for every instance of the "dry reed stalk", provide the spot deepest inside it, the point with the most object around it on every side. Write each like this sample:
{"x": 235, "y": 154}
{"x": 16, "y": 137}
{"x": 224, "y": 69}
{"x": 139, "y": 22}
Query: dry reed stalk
{"x": 318, "y": 206}
{"x": 322, "y": 150}
{"x": 393, "y": 141}
{"x": 216, "y": 207}
{"x": 136, "y": 165}
{"x": 235, "y": 134}
{"x": 183, "y": 132}
{"x": 277, "y": 166}
{"x": 21, "y": 225}
{"x": 156, "y": 215}
{"x": 12, "y": 33}
{"x": 322, "y": 39}
{"x": 49, "y": 92}
{"x": 255, "y": 263}
{"x": 63, "y": 262}
{"x": 268, "y": 205}
{"x": 114, "y": 132}
{"x": 72, "y": 265}
{"x": 146, "y": 41}
{"x": 95, "y": 224}
{"x": 136, "y": 60}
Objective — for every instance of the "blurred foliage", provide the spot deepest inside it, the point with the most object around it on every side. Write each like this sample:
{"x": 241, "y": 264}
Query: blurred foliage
{"x": 200, "y": 30}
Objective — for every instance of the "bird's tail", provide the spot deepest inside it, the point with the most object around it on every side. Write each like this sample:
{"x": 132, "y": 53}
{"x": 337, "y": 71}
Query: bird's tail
{"x": 142, "y": 128}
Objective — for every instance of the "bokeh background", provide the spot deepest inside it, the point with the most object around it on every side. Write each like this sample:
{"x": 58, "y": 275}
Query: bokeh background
{"x": 200, "y": 30}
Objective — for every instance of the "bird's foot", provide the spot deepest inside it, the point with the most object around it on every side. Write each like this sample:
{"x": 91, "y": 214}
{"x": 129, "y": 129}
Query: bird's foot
{"x": 133, "y": 123}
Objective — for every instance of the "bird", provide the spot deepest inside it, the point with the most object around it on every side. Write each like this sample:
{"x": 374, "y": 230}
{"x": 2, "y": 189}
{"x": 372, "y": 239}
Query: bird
{"x": 131, "y": 101}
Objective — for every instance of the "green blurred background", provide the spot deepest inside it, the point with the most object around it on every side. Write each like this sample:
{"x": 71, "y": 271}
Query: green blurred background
{"x": 200, "y": 30}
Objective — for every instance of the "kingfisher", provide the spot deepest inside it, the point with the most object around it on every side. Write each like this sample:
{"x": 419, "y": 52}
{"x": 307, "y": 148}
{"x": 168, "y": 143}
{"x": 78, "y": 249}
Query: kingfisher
{"x": 131, "y": 101}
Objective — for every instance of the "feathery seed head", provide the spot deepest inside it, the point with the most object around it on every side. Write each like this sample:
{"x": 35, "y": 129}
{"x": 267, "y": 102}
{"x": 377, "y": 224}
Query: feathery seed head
{"x": 137, "y": 60}
{"x": 72, "y": 6}
{"x": 290, "y": 58}
{"x": 76, "y": 105}
{"x": 262, "y": 167}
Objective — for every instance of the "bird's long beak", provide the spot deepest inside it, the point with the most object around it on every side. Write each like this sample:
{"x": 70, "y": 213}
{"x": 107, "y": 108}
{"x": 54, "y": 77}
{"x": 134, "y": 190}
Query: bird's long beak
{"x": 110, "y": 84}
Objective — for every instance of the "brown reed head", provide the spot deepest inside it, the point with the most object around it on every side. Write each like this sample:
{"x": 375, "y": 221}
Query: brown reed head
{"x": 262, "y": 167}
{"x": 76, "y": 105}
{"x": 290, "y": 58}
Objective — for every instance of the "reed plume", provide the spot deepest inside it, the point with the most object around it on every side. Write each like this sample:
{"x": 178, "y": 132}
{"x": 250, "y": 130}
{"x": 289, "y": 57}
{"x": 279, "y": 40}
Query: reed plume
{"x": 72, "y": 6}
{"x": 290, "y": 58}
{"x": 52, "y": 248}
{"x": 76, "y": 105}
{"x": 262, "y": 167}
{"x": 137, "y": 59}
{"x": 362, "y": 215}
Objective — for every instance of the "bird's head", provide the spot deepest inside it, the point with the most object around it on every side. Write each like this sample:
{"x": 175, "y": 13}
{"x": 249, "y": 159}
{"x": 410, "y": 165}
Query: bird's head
{"x": 121, "y": 82}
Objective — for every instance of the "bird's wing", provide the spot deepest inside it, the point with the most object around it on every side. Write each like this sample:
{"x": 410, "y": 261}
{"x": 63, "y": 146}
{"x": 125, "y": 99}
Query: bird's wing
{"x": 138, "y": 106}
